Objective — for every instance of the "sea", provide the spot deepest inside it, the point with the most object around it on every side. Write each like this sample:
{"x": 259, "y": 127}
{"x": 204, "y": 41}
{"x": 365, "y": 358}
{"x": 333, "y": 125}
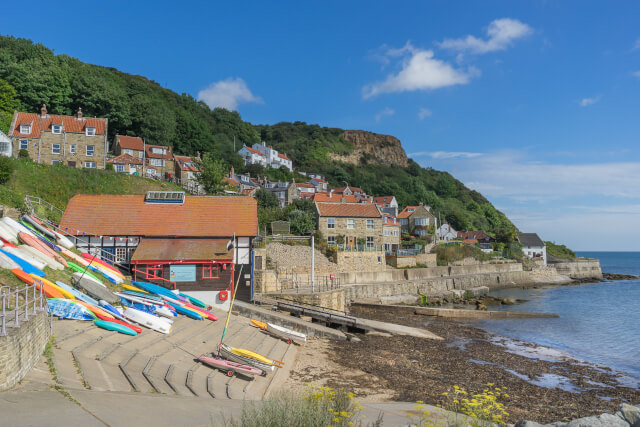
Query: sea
{"x": 599, "y": 323}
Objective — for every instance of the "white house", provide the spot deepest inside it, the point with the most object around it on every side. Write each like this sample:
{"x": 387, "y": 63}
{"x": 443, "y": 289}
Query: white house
{"x": 5, "y": 145}
{"x": 252, "y": 156}
{"x": 445, "y": 232}
{"x": 273, "y": 159}
{"x": 533, "y": 246}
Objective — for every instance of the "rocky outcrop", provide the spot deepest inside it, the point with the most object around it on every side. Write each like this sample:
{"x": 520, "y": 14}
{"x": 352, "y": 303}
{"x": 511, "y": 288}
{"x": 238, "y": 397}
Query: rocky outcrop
{"x": 627, "y": 416}
{"x": 375, "y": 148}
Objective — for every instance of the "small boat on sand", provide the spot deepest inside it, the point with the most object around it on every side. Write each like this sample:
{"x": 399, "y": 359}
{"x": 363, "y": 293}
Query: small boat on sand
{"x": 281, "y": 332}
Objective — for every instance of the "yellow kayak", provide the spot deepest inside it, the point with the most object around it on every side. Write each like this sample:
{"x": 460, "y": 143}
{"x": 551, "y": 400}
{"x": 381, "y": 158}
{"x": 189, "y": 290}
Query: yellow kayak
{"x": 256, "y": 356}
{"x": 133, "y": 288}
{"x": 259, "y": 324}
{"x": 64, "y": 292}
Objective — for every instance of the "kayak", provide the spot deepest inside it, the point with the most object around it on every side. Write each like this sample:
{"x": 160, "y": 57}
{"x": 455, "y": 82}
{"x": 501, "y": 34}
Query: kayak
{"x": 29, "y": 222}
{"x": 97, "y": 310}
{"x": 111, "y": 309}
{"x": 68, "y": 309}
{"x": 36, "y": 262}
{"x": 6, "y": 242}
{"x": 75, "y": 267}
{"x": 8, "y": 234}
{"x": 16, "y": 226}
{"x": 48, "y": 291}
{"x": 194, "y": 301}
{"x": 113, "y": 326}
{"x": 187, "y": 312}
{"x": 150, "y": 321}
{"x": 133, "y": 288}
{"x": 76, "y": 293}
{"x": 93, "y": 259}
{"x": 36, "y": 243}
{"x": 228, "y": 353}
{"x": 67, "y": 294}
{"x": 138, "y": 329}
{"x": 24, "y": 265}
{"x": 97, "y": 291}
{"x": 280, "y": 332}
{"x": 230, "y": 367}
{"x": 260, "y": 358}
{"x": 144, "y": 295}
{"x": 60, "y": 238}
{"x": 7, "y": 263}
{"x": 51, "y": 262}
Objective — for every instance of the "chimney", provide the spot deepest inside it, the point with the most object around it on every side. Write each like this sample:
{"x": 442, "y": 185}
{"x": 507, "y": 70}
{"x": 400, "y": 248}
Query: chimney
{"x": 231, "y": 172}
{"x": 420, "y": 203}
{"x": 79, "y": 113}
{"x": 43, "y": 111}
{"x": 198, "y": 155}
{"x": 342, "y": 199}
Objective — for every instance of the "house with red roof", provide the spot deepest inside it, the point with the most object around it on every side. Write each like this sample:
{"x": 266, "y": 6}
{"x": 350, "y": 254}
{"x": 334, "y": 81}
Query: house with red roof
{"x": 387, "y": 204}
{"x": 186, "y": 173}
{"x": 390, "y": 233}
{"x": 169, "y": 238}
{"x": 320, "y": 184}
{"x": 126, "y": 163}
{"x": 159, "y": 161}
{"x": 252, "y": 156}
{"x": 132, "y": 145}
{"x": 356, "y": 225}
{"x": 416, "y": 220}
{"x": 74, "y": 141}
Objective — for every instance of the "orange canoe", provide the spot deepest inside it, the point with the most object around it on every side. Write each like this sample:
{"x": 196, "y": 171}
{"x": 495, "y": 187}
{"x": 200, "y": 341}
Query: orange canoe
{"x": 259, "y": 324}
{"x": 49, "y": 291}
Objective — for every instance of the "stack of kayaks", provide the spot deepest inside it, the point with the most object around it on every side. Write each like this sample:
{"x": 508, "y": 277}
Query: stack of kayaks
{"x": 239, "y": 356}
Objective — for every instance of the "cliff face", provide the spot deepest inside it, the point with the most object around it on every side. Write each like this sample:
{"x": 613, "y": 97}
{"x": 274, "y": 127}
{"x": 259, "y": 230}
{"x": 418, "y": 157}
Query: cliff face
{"x": 374, "y": 148}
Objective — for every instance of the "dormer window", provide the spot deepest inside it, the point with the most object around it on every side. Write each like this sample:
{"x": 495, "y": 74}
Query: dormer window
{"x": 56, "y": 129}
{"x": 162, "y": 151}
{"x": 25, "y": 129}
{"x": 90, "y": 131}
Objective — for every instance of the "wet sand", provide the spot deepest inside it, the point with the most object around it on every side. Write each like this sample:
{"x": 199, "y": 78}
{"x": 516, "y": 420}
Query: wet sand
{"x": 411, "y": 369}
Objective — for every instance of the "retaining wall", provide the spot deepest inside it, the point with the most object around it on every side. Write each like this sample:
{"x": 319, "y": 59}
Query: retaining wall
{"x": 21, "y": 349}
{"x": 581, "y": 268}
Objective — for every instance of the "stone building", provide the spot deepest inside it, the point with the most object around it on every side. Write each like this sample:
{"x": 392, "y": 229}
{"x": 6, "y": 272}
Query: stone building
{"x": 390, "y": 233}
{"x": 159, "y": 161}
{"x": 187, "y": 173}
{"x": 359, "y": 225}
{"x": 132, "y": 145}
{"x": 126, "y": 163}
{"x": 416, "y": 220}
{"x": 75, "y": 141}
{"x": 533, "y": 246}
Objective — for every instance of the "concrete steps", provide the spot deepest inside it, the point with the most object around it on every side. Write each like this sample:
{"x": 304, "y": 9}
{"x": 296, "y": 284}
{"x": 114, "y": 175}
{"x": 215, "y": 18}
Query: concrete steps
{"x": 157, "y": 363}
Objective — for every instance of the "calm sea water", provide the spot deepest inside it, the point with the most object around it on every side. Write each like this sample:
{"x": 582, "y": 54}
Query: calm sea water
{"x": 598, "y": 323}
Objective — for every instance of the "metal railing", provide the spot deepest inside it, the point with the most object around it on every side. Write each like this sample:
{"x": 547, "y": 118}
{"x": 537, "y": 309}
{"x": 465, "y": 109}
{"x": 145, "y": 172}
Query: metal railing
{"x": 359, "y": 248}
{"x": 32, "y": 201}
{"x": 20, "y": 303}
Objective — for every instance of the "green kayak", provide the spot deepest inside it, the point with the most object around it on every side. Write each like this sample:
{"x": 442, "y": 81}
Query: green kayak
{"x": 80, "y": 269}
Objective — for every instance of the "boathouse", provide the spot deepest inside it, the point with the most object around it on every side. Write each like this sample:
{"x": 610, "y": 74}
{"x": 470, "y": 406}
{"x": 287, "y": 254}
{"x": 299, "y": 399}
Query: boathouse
{"x": 198, "y": 244}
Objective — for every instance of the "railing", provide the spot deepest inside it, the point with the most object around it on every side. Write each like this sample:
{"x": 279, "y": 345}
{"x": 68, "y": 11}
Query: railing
{"x": 359, "y": 248}
{"x": 152, "y": 277}
{"x": 32, "y": 201}
{"x": 20, "y": 303}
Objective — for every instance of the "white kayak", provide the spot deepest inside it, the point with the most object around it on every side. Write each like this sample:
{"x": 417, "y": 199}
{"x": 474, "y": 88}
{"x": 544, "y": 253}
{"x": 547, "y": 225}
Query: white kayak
{"x": 286, "y": 333}
{"x": 49, "y": 232}
{"x": 159, "y": 324}
{"x": 78, "y": 276}
{"x": 38, "y": 254}
{"x": 17, "y": 226}
{"x": 6, "y": 262}
{"x": 8, "y": 233}
{"x": 27, "y": 256}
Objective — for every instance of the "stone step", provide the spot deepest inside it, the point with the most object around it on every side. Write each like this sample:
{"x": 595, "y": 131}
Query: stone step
{"x": 66, "y": 370}
{"x": 284, "y": 352}
{"x": 90, "y": 331}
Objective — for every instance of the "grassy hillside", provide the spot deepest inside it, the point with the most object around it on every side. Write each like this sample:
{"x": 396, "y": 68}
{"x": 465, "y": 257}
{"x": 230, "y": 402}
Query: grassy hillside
{"x": 30, "y": 75}
{"x": 57, "y": 184}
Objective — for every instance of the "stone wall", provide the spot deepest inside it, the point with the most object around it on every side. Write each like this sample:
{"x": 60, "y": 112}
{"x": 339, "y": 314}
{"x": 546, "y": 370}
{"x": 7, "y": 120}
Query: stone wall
{"x": 334, "y": 299}
{"x": 41, "y": 150}
{"x": 21, "y": 349}
{"x": 401, "y": 261}
{"x": 581, "y": 268}
{"x": 361, "y": 261}
{"x": 429, "y": 260}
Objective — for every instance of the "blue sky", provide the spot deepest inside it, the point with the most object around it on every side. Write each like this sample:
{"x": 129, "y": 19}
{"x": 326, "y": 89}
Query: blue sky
{"x": 535, "y": 104}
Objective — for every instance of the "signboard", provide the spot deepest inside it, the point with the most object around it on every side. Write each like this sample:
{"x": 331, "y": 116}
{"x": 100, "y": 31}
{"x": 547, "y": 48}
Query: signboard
{"x": 182, "y": 273}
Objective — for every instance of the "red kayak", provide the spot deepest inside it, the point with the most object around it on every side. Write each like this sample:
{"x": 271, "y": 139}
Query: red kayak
{"x": 37, "y": 244}
{"x": 7, "y": 243}
{"x": 96, "y": 260}
{"x": 128, "y": 325}
{"x": 230, "y": 367}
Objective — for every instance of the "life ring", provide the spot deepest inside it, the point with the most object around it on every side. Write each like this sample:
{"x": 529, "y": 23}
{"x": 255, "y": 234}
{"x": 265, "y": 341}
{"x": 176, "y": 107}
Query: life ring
{"x": 223, "y": 295}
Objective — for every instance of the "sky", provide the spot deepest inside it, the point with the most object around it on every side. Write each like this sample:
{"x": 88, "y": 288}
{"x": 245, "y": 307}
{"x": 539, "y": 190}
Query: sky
{"x": 536, "y": 104}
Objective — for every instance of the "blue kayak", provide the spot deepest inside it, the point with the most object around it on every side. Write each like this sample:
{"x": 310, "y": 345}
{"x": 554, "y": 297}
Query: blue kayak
{"x": 112, "y": 326}
{"x": 68, "y": 309}
{"x": 111, "y": 309}
{"x": 193, "y": 300}
{"x": 76, "y": 293}
{"x": 187, "y": 312}
{"x": 158, "y": 290}
{"x": 24, "y": 265}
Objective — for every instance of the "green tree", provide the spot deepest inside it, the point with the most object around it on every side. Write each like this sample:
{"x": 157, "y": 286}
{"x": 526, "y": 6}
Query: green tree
{"x": 212, "y": 173}
{"x": 8, "y": 104}
{"x": 302, "y": 222}
{"x": 266, "y": 199}
{"x": 6, "y": 169}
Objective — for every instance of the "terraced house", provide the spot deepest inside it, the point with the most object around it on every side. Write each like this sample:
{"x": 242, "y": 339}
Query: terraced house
{"x": 416, "y": 220}
{"x": 159, "y": 161}
{"x": 74, "y": 141}
{"x": 356, "y": 225}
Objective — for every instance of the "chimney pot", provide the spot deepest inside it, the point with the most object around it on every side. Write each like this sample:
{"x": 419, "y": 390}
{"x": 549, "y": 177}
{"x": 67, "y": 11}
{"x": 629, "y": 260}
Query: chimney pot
{"x": 79, "y": 113}
{"x": 43, "y": 110}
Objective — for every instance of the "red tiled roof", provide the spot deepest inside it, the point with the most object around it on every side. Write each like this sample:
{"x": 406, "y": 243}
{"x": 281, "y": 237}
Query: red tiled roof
{"x": 334, "y": 198}
{"x": 353, "y": 189}
{"x": 319, "y": 180}
{"x": 388, "y": 220}
{"x": 382, "y": 200}
{"x": 478, "y": 235}
{"x": 254, "y": 151}
{"x": 186, "y": 163}
{"x": 151, "y": 155}
{"x": 129, "y": 215}
{"x": 305, "y": 185}
{"x": 69, "y": 124}
{"x": 182, "y": 250}
{"x": 124, "y": 159}
{"x": 282, "y": 156}
{"x": 130, "y": 142}
{"x": 406, "y": 214}
{"x": 351, "y": 210}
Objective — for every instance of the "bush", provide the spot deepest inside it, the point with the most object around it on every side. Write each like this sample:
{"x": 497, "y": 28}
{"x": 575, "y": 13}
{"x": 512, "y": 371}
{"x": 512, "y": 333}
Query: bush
{"x": 454, "y": 252}
{"x": 6, "y": 169}
{"x": 483, "y": 407}
{"x": 560, "y": 251}
{"x": 109, "y": 167}
{"x": 23, "y": 154}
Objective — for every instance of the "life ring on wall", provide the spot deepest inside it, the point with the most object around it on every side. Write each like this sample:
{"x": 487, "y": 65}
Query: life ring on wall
{"x": 223, "y": 295}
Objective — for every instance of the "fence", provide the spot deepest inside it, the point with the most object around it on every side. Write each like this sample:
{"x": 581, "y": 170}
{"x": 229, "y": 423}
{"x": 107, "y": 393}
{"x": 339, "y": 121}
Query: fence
{"x": 358, "y": 248}
{"x": 20, "y": 303}
{"x": 53, "y": 212}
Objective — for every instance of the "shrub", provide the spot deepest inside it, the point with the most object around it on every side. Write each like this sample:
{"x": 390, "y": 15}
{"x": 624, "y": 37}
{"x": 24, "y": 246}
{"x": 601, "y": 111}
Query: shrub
{"x": 109, "y": 167}
{"x": 483, "y": 408}
{"x": 6, "y": 169}
{"x": 23, "y": 154}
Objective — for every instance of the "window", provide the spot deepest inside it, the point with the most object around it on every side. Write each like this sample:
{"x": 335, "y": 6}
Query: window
{"x": 55, "y": 148}
{"x": 56, "y": 129}
{"x": 331, "y": 240}
{"x": 331, "y": 223}
{"x": 395, "y": 233}
{"x": 156, "y": 150}
{"x": 72, "y": 149}
{"x": 4, "y": 147}
{"x": 90, "y": 165}
{"x": 370, "y": 243}
{"x": 154, "y": 271}
{"x": 90, "y": 131}
{"x": 211, "y": 271}
{"x": 127, "y": 151}
{"x": 404, "y": 221}
{"x": 351, "y": 223}
{"x": 56, "y": 162}
{"x": 121, "y": 255}
{"x": 90, "y": 150}
{"x": 370, "y": 224}
{"x": 24, "y": 144}
{"x": 156, "y": 162}
{"x": 25, "y": 129}
{"x": 119, "y": 168}
{"x": 410, "y": 210}
{"x": 422, "y": 221}
{"x": 386, "y": 232}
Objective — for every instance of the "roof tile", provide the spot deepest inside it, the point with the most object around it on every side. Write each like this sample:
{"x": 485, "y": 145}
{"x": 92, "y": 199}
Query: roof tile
{"x": 351, "y": 210}
{"x": 69, "y": 124}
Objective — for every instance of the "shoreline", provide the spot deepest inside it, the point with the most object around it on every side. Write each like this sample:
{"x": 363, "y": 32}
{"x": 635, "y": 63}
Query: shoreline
{"x": 548, "y": 388}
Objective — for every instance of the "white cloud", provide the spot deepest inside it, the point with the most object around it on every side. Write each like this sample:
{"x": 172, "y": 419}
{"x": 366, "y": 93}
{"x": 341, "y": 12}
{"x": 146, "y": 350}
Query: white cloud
{"x": 386, "y": 112}
{"x": 446, "y": 154}
{"x": 423, "y": 113}
{"x": 228, "y": 94}
{"x": 585, "y": 102}
{"x": 420, "y": 71}
{"x": 636, "y": 45}
{"x": 501, "y": 33}
{"x": 636, "y": 74}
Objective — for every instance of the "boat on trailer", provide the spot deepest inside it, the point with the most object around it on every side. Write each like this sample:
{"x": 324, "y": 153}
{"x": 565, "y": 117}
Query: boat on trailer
{"x": 229, "y": 367}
